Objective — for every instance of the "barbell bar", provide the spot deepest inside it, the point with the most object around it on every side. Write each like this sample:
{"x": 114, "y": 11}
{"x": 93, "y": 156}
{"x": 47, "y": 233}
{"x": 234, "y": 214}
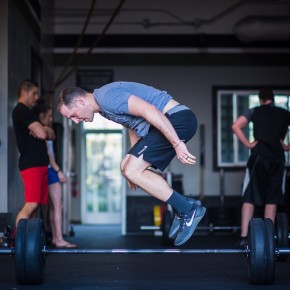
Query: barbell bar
{"x": 203, "y": 228}
{"x": 145, "y": 251}
{"x": 30, "y": 251}
{"x": 48, "y": 251}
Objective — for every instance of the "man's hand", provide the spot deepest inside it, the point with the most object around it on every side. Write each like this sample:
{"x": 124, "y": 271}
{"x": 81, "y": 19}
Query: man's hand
{"x": 252, "y": 144}
{"x": 285, "y": 147}
{"x": 183, "y": 154}
{"x": 32, "y": 134}
{"x": 132, "y": 185}
{"x": 62, "y": 177}
{"x": 50, "y": 133}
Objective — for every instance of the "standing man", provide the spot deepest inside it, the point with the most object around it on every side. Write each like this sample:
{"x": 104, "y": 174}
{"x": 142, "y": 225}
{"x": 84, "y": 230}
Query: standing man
{"x": 263, "y": 183}
{"x": 33, "y": 159}
{"x": 159, "y": 128}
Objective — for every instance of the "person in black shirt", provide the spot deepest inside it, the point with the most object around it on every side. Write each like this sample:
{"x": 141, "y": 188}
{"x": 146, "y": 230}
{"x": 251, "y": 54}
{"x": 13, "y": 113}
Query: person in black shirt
{"x": 263, "y": 182}
{"x": 33, "y": 159}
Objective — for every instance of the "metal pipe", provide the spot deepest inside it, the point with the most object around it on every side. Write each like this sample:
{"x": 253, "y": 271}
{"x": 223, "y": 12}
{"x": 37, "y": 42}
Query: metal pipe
{"x": 11, "y": 251}
{"x": 144, "y": 251}
{"x": 152, "y": 228}
{"x": 6, "y": 251}
{"x": 279, "y": 251}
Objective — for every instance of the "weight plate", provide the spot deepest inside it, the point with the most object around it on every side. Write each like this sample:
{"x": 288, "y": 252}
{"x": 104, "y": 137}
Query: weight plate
{"x": 20, "y": 242}
{"x": 157, "y": 215}
{"x": 165, "y": 227}
{"x": 281, "y": 229}
{"x": 270, "y": 251}
{"x": 256, "y": 260}
{"x": 35, "y": 260}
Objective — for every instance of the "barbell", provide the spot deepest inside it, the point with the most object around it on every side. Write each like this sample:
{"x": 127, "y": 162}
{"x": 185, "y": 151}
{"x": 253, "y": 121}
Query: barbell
{"x": 30, "y": 251}
{"x": 281, "y": 233}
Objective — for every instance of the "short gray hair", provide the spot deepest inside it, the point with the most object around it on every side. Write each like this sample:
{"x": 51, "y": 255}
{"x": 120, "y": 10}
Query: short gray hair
{"x": 68, "y": 96}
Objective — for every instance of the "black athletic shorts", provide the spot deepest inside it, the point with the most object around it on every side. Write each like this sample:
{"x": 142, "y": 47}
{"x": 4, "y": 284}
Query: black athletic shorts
{"x": 155, "y": 148}
{"x": 264, "y": 181}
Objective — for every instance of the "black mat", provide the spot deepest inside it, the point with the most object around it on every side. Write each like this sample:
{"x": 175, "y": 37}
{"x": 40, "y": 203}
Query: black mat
{"x": 144, "y": 271}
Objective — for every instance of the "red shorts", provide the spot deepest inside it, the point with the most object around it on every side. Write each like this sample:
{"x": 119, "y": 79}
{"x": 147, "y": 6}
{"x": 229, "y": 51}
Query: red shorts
{"x": 35, "y": 184}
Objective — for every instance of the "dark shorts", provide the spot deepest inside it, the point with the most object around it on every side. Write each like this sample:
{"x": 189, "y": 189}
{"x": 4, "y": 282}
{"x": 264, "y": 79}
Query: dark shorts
{"x": 52, "y": 176}
{"x": 155, "y": 148}
{"x": 35, "y": 184}
{"x": 264, "y": 181}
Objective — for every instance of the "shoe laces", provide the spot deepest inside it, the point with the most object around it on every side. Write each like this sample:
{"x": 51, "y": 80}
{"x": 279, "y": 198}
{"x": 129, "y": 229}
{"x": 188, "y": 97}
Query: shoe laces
{"x": 185, "y": 218}
{"x": 180, "y": 215}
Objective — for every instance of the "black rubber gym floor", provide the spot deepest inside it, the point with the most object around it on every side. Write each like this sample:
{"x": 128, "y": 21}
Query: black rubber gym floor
{"x": 145, "y": 271}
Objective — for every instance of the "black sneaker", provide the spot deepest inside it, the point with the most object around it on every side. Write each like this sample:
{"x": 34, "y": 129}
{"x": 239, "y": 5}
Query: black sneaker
{"x": 188, "y": 224}
{"x": 242, "y": 243}
{"x": 178, "y": 218}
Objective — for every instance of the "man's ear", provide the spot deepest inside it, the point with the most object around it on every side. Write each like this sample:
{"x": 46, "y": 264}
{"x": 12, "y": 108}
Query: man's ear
{"x": 80, "y": 101}
{"x": 25, "y": 93}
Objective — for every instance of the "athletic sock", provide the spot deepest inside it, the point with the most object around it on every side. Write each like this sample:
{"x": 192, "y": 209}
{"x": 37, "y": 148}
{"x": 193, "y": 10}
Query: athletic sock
{"x": 179, "y": 203}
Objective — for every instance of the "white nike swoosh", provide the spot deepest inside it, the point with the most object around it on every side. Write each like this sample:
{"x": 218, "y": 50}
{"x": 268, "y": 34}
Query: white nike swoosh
{"x": 142, "y": 150}
{"x": 191, "y": 220}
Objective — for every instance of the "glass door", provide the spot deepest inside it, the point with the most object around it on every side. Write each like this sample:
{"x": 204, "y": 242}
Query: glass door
{"x": 102, "y": 177}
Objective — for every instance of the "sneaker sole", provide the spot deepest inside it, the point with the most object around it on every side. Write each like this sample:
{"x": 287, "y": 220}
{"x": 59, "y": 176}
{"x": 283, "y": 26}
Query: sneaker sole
{"x": 173, "y": 235}
{"x": 192, "y": 229}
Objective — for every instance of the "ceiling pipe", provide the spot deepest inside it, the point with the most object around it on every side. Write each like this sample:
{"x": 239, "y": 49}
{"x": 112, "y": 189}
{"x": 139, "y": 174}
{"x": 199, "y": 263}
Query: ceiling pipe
{"x": 263, "y": 28}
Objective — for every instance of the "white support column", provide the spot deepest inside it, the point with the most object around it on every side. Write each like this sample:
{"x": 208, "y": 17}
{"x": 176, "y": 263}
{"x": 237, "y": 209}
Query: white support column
{"x": 4, "y": 106}
{"x": 67, "y": 157}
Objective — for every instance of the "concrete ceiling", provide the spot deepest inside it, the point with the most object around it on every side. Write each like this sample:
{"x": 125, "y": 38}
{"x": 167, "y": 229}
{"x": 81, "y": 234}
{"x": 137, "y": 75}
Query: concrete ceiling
{"x": 247, "y": 20}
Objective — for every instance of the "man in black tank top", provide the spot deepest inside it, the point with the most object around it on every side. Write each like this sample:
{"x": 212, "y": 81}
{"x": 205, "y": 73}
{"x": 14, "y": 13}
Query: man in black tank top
{"x": 263, "y": 182}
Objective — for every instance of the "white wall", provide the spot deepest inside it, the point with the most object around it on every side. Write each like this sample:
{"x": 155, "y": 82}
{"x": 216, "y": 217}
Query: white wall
{"x": 16, "y": 40}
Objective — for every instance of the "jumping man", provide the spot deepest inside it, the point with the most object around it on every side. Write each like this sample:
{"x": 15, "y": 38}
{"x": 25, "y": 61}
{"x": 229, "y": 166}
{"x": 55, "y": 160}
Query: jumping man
{"x": 159, "y": 127}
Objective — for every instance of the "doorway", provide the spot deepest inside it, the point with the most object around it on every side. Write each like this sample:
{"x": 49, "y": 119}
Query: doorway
{"x": 102, "y": 179}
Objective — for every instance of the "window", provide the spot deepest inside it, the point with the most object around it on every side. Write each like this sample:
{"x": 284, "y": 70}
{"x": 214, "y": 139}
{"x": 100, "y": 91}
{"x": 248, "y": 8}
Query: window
{"x": 229, "y": 103}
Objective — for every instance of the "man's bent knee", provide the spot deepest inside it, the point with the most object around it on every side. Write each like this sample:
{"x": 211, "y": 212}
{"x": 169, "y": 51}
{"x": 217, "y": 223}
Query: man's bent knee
{"x": 133, "y": 168}
{"x": 123, "y": 162}
{"x": 128, "y": 173}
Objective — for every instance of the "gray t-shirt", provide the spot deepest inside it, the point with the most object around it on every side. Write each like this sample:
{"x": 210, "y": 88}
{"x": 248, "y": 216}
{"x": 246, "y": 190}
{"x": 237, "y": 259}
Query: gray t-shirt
{"x": 113, "y": 101}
